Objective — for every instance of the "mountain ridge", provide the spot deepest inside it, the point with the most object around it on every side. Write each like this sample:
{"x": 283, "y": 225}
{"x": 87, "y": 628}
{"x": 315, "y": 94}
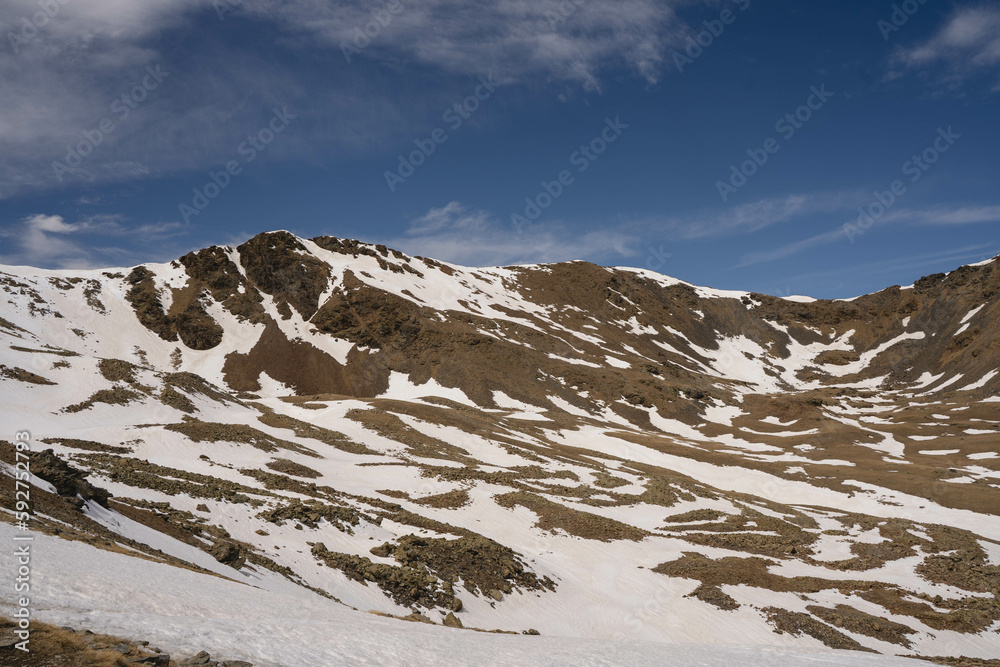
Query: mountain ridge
{"x": 414, "y": 437}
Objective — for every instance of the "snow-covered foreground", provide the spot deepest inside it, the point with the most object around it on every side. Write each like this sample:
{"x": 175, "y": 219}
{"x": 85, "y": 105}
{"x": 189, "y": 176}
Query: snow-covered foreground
{"x": 184, "y": 612}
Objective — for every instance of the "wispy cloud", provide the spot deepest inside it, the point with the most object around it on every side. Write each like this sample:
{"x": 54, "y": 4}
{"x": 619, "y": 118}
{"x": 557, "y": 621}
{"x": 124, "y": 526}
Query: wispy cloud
{"x": 556, "y": 39}
{"x": 923, "y": 263}
{"x": 50, "y": 241}
{"x": 789, "y": 249}
{"x": 453, "y": 216}
{"x": 749, "y": 218}
{"x": 965, "y": 215}
{"x": 471, "y": 237}
{"x": 967, "y": 45}
{"x": 60, "y": 83}
{"x": 936, "y": 216}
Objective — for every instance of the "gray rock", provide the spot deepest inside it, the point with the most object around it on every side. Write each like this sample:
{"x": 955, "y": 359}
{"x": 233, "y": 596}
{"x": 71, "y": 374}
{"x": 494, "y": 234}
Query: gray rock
{"x": 202, "y": 658}
{"x": 162, "y": 660}
{"x": 237, "y": 663}
{"x": 124, "y": 649}
{"x": 496, "y": 595}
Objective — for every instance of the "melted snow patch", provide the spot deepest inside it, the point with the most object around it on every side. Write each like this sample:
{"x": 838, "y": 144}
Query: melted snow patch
{"x": 741, "y": 359}
{"x": 271, "y": 388}
{"x": 401, "y": 388}
{"x": 783, "y": 434}
{"x": 522, "y": 410}
{"x": 982, "y": 382}
{"x": 568, "y": 407}
{"x": 722, "y": 413}
{"x": 639, "y": 329}
{"x": 972, "y": 313}
{"x": 926, "y": 380}
{"x": 870, "y": 355}
{"x": 616, "y": 362}
{"x": 579, "y": 362}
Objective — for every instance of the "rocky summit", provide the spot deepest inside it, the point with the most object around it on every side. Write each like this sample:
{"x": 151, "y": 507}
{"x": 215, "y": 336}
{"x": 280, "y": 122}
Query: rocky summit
{"x": 279, "y": 452}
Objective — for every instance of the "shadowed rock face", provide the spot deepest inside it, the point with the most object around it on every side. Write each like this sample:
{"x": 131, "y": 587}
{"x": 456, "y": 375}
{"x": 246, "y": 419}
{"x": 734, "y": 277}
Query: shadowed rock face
{"x": 445, "y": 444}
{"x": 68, "y": 481}
{"x": 279, "y": 265}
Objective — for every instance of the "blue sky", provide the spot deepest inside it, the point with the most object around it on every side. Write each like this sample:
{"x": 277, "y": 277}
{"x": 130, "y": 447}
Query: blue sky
{"x": 514, "y": 132}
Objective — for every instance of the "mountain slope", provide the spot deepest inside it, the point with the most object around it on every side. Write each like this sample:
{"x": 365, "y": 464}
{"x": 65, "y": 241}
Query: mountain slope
{"x": 589, "y": 452}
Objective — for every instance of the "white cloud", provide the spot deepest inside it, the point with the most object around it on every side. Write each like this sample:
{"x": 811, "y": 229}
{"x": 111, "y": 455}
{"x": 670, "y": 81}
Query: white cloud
{"x": 957, "y": 216}
{"x": 968, "y": 44}
{"x": 41, "y": 241}
{"x": 61, "y": 81}
{"x": 557, "y": 39}
{"x": 50, "y": 241}
{"x": 453, "y": 216}
{"x": 459, "y": 234}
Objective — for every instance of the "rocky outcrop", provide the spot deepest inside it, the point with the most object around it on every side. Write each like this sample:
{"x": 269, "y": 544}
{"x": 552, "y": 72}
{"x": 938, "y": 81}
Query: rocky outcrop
{"x": 70, "y": 482}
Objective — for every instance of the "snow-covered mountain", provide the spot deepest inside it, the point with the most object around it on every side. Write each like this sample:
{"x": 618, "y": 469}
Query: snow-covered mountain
{"x": 251, "y": 447}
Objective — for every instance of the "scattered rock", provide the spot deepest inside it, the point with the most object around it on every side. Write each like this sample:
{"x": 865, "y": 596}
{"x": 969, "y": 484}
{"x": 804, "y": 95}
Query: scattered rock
{"x": 229, "y": 554}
